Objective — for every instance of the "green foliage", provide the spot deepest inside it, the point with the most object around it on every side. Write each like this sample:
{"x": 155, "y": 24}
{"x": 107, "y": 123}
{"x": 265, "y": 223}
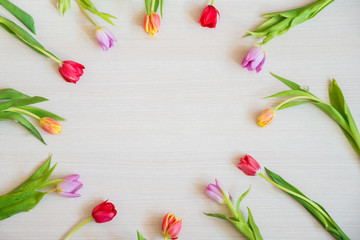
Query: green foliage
{"x": 155, "y": 4}
{"x": 248, "y": 228}
{"x": 315, "y": 209}
{"x": 279, "y": 23}
{"x": 25, "y": 37}
{"x": 64, "y": 5}
{"x": 13, "y": 104}
{"x": 26, "y": 196}
{"x": 88, "y": 5}
{"x": 140, "y": 237}
{"x": 20, "y": 14}
{"x": 338, "y": 109}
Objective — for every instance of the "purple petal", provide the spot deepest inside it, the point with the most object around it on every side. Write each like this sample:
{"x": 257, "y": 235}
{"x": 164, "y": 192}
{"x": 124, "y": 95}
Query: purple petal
{"x": 259, "y": 67}
{"x": 71, "y": 177}
{"x": 69, "y": 195}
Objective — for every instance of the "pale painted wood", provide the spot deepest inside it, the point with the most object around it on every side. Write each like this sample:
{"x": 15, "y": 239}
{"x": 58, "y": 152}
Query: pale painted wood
{"x": 154, "y": 120}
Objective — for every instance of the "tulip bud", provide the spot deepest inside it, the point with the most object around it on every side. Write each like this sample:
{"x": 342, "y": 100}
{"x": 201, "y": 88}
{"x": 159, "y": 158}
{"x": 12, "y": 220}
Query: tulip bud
{"x": 215, "y": 192}
{"x": 105, "y": 38}
{"x": 209, "y": 17}
{"x": 249, "y": 166}
{"x": 70, "y": 186}
{"x": 152, "y": 23}
{"x": 50, "y": 125}
{"x": 71, "y": 71}
{"x": 254, "y": 59}
{"x": 266, "y": 117}
{"x": 171, "y": 226}
{"x": 104, "y": 212}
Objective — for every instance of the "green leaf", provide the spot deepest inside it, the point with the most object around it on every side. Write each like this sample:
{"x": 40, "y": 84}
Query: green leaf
{"x": 291, "y": 93}
{"x": 43, "y": 169}
{"x": 161, "y": 8}
{"x": 253, "y": 226}
{"x": 148, "y": 6}
{"x": 9, "y": 93}
{"x": 331, "y": 226}
{"x": 52, "y": 182}
{"x": 244, "y": 228}
{"x": 291, "y": 84}
{"x": 88, "y": 5}
{"x": 23, "y": 121}
{"x": 20, "y": 14}
{"x": 216, "y": 215}
{"x": 240, "y": 199}
{"x": 140, "y": 237}
{"x": 337, "y": 100}
{"x": 156, "y": 5}
{"x": 21, "y": 102}
{"x": 292, "y": 104}
{"x": 280, "y": 22}
{"x": 24, "y": 36}
{"x": 14, "y": 203}
{"x": 64, "y": 5}
{"x": 41, "y": 113}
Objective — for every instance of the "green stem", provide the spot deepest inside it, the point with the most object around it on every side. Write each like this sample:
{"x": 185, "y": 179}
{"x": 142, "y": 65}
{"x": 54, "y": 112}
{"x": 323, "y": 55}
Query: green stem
{"x": 212, "y": 2}
{"x": 52, "y": 190}
{"x": 78, "y": 227}
{"x": 297, "y": 98}
{"x": 18, "y": 110}
{"x": 299, "y": 196}
{"x": 152, "y": 6}
{"x": 85, "y": 13}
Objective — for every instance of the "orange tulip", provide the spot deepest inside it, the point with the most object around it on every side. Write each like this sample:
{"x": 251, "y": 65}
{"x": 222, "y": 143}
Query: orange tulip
{"x": 266, "y": 117}
{"x": 152, "y": 23}
{"x": 50, "y": 125}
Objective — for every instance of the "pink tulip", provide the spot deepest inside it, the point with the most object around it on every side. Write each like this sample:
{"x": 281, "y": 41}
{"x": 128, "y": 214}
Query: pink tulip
{"x": 249, "y": 166}
{"x": 105, "y": 38}
{"x": 254, "y": 59}
{"x": 215, "y": 193}
{"x": 70, "y": 186}
{"x": 171, "y": 226}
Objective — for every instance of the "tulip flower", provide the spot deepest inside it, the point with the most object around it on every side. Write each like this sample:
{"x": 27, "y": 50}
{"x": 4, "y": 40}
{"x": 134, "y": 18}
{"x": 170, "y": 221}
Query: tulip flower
{"x": 50, "y": 125}
{"x": 209, "y": 16}
{"x": 105, "y": 38}
{"x": 104, "y": 212}
{"x": 254, "y": 59}
{"x": 249, "y": 166}
{"x": 266, "y": 117}
{"x": 152, "y": 23}
{"x": 71, "y": 71}
{"x": 70, "y": 186}
{"x": 171, "y": 226}
{"x": 215, "y": 192}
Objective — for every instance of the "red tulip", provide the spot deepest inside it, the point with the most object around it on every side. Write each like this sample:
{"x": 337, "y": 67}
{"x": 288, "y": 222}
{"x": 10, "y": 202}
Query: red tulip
{"x": 249, "y": 166}
{"x": 104, "y": 212}
{"x": 209, "y": 17}
{"x": 171, "y": 226}
{"x": 71, "y": 71}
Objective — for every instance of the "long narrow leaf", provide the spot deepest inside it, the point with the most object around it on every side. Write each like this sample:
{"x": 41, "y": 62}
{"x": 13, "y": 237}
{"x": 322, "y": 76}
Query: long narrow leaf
{"x": 20, "y": 14}
{"x": 41, "y": 113}
{"x": 9, "y": 93}
{"x": 21, "y": 102}
{"x": 140, "y": 237}
{"x": 253, "y": 226}
{"x": 290, "y": 93}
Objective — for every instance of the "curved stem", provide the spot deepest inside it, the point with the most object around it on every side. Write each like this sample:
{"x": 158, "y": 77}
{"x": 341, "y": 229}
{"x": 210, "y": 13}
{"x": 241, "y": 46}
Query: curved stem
{"x": 297, "y": 98}
{"x": 85, "y": 13}
{"x": 212, "y": 2}
{"x": 78, "y": 227}
{"x": 299, "y": 196}
{"x": 52, "y": 190}
{"x": 18, "y": 110}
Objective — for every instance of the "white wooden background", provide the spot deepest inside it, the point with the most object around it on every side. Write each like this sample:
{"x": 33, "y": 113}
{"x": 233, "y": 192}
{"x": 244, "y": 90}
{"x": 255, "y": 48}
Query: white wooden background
{"x": 154, "y": 120}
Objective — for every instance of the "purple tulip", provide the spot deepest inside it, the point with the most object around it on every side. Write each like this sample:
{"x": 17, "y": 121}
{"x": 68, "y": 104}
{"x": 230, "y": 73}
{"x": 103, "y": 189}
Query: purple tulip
{"x": 254, "y": 59}
{"x": 105, "y": 38}
{"x": 215, "y": 193}
{"x": 70, "y": 186}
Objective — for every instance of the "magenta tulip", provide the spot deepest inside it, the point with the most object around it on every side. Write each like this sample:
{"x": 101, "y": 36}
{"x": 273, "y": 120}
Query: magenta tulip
{"x": 254, "y": 59}
{"x": 249, "y": 166}
{"x": 214, "y": 191}
{"x": 70, "y": 186}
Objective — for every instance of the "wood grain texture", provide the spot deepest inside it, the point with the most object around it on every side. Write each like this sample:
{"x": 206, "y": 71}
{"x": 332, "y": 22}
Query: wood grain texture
{"x": 154, "y": 120}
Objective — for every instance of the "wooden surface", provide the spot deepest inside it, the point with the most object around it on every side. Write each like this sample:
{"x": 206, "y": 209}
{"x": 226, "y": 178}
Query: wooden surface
{"x": 154, "y": 120}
